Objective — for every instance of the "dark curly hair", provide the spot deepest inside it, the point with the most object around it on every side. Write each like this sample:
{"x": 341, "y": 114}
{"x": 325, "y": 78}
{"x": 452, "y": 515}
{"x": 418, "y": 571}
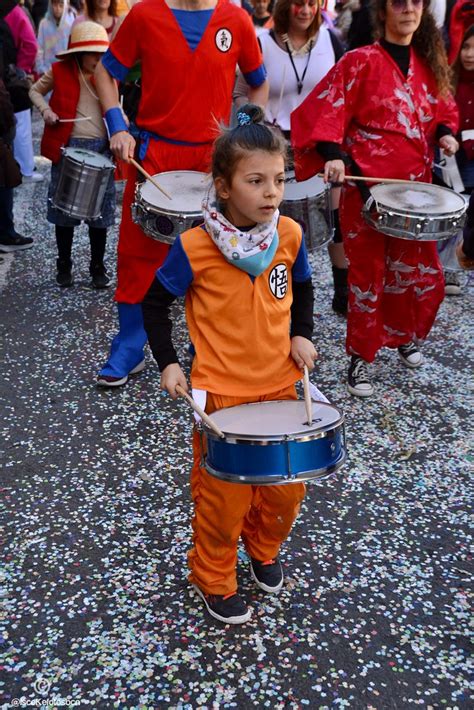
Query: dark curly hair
{"x": 427, "y": 41}
{"x": 456, "y": 67}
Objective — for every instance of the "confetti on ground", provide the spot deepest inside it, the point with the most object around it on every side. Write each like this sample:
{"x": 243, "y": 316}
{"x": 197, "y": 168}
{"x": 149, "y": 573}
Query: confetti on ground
{"x": 96, "y": 607}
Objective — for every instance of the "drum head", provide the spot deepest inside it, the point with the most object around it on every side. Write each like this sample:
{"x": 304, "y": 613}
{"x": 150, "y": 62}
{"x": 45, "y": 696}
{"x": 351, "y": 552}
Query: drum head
{"x": 301, "y": 190}
{"x": 267, "y": 420}
{"x": 418, "y": 198}
{"x": 88, "y": 157}
{"x": 187, "y": 188}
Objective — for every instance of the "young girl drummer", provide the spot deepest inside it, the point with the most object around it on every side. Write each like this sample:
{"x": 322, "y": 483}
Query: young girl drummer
{"x": 73, "y": 118}
{"x": 249, "y": 309}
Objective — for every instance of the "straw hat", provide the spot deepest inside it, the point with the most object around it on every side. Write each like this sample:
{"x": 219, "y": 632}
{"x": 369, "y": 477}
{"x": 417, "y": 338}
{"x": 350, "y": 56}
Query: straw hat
{"x": 86, "y": 37}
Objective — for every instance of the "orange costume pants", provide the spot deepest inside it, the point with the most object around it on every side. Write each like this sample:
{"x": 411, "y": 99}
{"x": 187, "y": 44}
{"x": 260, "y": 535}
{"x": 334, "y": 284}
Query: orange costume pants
{"x": 223, "y": 512}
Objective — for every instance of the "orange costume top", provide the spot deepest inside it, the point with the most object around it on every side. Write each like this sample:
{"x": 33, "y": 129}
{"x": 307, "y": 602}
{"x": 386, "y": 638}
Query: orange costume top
{"x": 239, "y": 325}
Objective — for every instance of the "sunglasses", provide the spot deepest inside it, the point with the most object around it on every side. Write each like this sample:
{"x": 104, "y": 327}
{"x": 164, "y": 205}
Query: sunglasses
{"x": 402, "y": 5}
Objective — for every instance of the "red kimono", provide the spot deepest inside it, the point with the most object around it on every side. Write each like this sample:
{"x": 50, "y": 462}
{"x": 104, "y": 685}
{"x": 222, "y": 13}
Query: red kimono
{"x": 387, "y": 123}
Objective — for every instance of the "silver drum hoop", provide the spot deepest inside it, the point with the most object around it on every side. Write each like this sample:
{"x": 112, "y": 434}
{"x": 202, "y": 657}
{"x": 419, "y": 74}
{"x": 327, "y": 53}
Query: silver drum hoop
{"x": 153, "y": 212}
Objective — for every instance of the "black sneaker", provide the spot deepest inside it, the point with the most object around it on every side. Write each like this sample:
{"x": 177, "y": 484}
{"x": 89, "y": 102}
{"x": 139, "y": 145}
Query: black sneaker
{"x": 230, "y": 608}
{"x": 15, "y": 243}
{"x": 268, "y": 575}
{"x": 99, "y": 276}
{"x": 410, "y": 355}
{"x": 64, "y": 274}
{"x": 358, "y": 382}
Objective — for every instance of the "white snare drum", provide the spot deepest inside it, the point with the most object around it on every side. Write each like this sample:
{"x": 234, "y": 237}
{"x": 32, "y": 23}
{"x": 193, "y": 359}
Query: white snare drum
{"x": 308, "y": 203}
{"x": 83, "y": 180}
{"x": 417, "y": 212}
{"x": 268, "y": 443}
{"x": 163, "y": 219}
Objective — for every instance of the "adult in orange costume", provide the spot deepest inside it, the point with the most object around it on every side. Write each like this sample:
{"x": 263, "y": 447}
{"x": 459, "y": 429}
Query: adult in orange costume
{"x": 189, "y": 50}
{"x": 382, "y": 109}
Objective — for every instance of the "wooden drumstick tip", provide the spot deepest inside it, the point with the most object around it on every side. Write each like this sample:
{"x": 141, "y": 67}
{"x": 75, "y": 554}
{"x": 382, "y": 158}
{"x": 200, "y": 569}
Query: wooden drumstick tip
{"x": 150, "y": 178}
{"x": 205, "y": 417}
{"x": 307, "y": 396}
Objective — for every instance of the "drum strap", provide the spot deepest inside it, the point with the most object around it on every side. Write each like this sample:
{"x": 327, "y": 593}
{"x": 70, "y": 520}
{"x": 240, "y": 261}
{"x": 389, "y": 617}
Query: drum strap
{"x": 362, "y": 186}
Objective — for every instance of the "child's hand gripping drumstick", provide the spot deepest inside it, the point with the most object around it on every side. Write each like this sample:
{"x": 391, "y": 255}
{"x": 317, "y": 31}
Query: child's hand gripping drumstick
{"x": 205, "y": 417}
{"x": 150, "y": 178}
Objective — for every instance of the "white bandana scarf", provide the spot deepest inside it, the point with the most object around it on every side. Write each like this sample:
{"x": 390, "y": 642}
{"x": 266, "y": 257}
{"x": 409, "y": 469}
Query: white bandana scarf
{"x": 250, "y": 251}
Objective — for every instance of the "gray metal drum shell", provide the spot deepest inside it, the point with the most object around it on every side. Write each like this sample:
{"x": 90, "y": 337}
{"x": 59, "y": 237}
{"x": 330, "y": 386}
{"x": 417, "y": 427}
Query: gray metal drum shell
{"x": 412, "y": 227}
{"x": 81, "y": 189}
{"x": 147, "y": 217}
{"x": 310, "y": 213}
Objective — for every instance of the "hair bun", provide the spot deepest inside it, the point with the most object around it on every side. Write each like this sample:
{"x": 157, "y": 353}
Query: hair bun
{"x": 250, "y": 113}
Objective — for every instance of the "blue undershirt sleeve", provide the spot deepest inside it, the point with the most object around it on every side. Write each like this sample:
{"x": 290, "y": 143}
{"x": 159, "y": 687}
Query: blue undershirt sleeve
{"x": 256, "y": 77}
{"x": 115, "y": 68}
{"x": 301, "y": 270}
{"x": 176, "y": 274}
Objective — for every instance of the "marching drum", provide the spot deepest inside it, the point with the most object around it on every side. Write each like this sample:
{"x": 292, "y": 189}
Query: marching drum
{"x": 268, "y": 443}
{"x": 83, "y": 179}
{"x": 163, "y": 219}
{"x": 308, "y": 203}
{"x": 419, "y": 212}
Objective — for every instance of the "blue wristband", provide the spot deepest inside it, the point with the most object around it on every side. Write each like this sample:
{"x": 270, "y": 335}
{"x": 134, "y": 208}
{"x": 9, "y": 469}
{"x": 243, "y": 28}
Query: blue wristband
{"x": 115, "y": 121}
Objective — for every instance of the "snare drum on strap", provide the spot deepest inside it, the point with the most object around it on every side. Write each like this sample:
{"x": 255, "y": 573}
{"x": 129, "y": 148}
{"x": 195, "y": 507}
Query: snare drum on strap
{"x": 418, "y": 212}
{"x": 308, "y": 203}
{"x": 163, "y": 219}
{"x": 268, "y": 443}
{"x": 82, "y": 184}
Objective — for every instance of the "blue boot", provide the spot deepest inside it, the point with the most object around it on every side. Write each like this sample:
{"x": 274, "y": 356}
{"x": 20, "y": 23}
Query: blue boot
{"x": 126, "y": 353}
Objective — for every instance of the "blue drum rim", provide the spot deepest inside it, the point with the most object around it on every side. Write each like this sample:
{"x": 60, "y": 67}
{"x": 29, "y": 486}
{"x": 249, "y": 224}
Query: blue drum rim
{"x": 278, "y": 480}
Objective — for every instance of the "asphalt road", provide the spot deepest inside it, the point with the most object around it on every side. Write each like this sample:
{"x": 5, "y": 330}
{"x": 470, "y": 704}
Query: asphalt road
{"x": 97, "y": 610}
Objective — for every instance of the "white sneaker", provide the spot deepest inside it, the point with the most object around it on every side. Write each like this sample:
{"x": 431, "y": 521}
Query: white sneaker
{"x": 452, "y": 283}
{"x": 410, "y": 355}
{"x": 35, "y": 177}
{"x": 110, "y": 381}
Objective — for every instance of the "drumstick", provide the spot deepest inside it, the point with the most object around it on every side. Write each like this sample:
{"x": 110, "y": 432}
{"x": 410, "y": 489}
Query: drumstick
{"x": 307, "y": 395}
{"x": 74, "y": 120}
{"x": 205, "y": 417}
{"x": 149, "y": 177}
{"x": 362, "y": 178}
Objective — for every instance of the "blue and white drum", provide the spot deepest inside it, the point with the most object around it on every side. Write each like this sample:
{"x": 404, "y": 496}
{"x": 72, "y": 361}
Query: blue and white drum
{"x": 268, "y": 443}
